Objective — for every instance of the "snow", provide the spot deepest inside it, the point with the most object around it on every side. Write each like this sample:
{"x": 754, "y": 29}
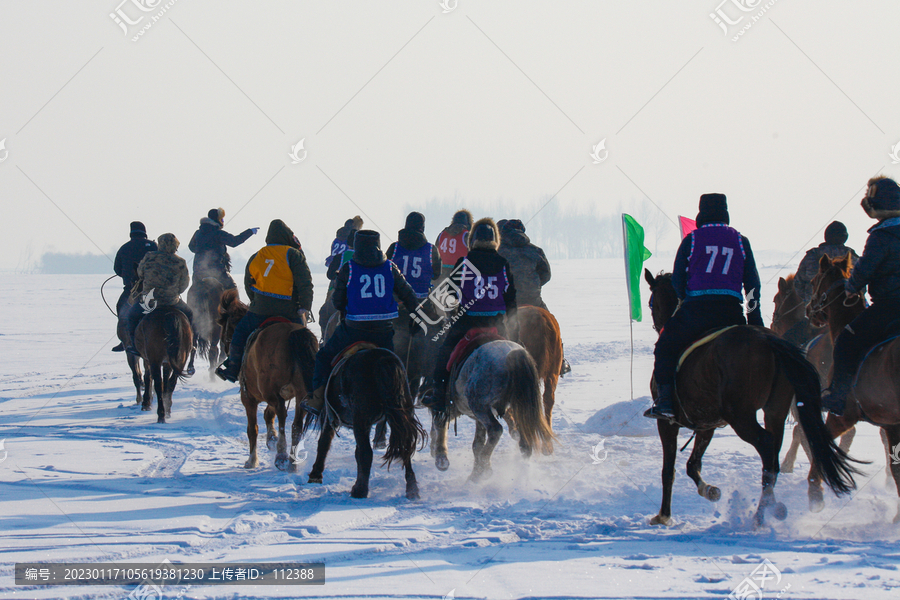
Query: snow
{"x": 89, "y": 477}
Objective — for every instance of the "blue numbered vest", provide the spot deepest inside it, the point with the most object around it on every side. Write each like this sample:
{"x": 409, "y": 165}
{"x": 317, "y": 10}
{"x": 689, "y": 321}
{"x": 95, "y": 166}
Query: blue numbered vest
{"x": 370, "y": 293}
{"x": 482, "y": 296}
{"x": 416, "y": 267}
{"x": 716, "y": 262}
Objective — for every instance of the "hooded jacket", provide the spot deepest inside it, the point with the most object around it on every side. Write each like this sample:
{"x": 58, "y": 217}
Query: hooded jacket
{"x": 164, "y": 272}
{"x": 340, "y": 241}
{"x": 879, "y": 266}
{"x": 809, "y": 266}
{"x": 413, "y": 240}
{"x": 280, "y": 234}
{"x": 529, "y": 265}
{"x": 483, "y": 256}
{"x": 130, "y": 255}
{"x": 208, "y": 244}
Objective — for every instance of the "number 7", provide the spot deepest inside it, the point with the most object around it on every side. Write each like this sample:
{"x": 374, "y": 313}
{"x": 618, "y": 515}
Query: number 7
{"x": 729, "y": 252}
{"x": 271, "y": 264}
{"x": 714, "y": 250}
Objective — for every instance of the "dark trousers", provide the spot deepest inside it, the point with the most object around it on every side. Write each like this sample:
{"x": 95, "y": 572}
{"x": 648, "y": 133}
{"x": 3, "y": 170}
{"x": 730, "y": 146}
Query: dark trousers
{"x": 343, "y": 336}
{"x": 123, "y": 301}
{"x": 687, "y": 325}
{"x": 135, "y": 313}
{"x": 246, "y": 326}
{"x": 457, "y": 332}
{"x": 875, "y": 324}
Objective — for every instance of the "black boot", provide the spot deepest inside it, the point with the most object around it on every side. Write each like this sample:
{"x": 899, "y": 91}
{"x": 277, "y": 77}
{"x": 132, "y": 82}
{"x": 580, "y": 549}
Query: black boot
{"x": 437, "y": 399}
{"x": 834, "y": 397}
{"x": 120, "y": 347}
{"x": 566, "y": 368}
{"x": 229, "y": 370}
{"x": 132, "y": 351}
{"x": 664, "y": 408}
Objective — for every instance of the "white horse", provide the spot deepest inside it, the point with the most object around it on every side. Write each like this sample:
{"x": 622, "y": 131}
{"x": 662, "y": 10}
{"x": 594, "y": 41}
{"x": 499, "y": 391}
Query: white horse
{"x": 499, "y": 379}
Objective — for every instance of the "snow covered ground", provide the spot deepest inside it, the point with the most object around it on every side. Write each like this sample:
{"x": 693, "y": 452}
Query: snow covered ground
{"x": 86, "y": 476}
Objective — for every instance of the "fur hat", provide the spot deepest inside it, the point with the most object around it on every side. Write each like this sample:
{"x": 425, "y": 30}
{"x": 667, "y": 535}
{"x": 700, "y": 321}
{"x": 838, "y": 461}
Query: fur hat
{"x": 354, "y": 223}
{"x": 416, "y": 222}
{"x": 485, "y": 235}
{"x": 515, "y": 225}
{"x": 836, "y": 233}
{"x": 882, "y": 199}
{"x": 168, "y": 243}
{"x": 217, "y": 215}
{"x": 137, "y": 228}
{"x": 713, "y": 209}
{"x": 366, "y": 242}
{"x": 462, "y": 217}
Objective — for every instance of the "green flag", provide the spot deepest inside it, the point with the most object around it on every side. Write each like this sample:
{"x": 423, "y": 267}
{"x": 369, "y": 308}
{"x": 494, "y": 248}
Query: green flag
{"x": 635, "y": 255}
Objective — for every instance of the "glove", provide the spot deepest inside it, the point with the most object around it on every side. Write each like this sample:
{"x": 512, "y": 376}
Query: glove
{"x": 255, "y": 230}
{"x": 305, "y": 315}
{"x": 414, "y": 328}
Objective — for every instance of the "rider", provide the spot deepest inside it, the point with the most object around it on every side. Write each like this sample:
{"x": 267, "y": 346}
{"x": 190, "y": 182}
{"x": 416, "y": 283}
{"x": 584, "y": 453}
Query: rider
{"x": 335, "y": 261}
{"x": 208, "y": 244}
{"x": 278, "y": 283}
{"x": 711, "y": 265}
{"x": 127, "y": 260}
{"x": 488, "y": 294}
{"x": 879, "y": 268}
{"x": 163, "y": 274}
{"x": 529, "y": 266}
{"x": 364, "y": 292}
{"x": 834, "y": 246}
{"x": 452, "y": 241}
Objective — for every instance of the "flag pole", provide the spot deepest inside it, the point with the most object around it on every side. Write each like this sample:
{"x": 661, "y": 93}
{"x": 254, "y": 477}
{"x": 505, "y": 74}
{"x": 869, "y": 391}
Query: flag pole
{"x": 630, "y": 320}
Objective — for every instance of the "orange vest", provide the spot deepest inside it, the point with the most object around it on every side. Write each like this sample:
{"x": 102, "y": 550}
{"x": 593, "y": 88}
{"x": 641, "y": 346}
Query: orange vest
{"x": 271, "y": 273}
{"x": 452, "y": 247}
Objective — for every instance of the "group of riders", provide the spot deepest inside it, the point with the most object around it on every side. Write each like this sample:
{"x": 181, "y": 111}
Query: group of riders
{"x": 495, "y": 268}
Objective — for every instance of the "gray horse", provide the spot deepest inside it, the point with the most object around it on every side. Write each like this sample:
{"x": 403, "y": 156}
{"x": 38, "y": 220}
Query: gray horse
{"x": 499, "y": 379}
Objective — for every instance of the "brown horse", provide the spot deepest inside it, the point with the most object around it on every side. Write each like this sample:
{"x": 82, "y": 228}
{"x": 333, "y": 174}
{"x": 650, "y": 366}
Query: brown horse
{"x": 876, "y": 394}
{"x": 725, "y": 382}
{"x": 538, "y": 332}
{"x": 204, "y": 298}
{"x": 141, "y": 380}
{"x": 164, "y": 340}
{"x": 790, "y": 322}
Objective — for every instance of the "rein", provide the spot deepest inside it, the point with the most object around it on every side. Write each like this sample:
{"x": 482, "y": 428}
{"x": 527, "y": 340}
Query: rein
{"x": 104, "y": 297}
{"x": 824, "y": 303}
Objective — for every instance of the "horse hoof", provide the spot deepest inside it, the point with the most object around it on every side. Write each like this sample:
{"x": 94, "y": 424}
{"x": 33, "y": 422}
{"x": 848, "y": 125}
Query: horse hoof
{"x": 145, "y": 407}
{"x": 168, "y": 414}
{"x": 271, "y": 443}
{"x": 780, "y": 511}
{"x": 251, "y": 463}
{"x": 442, "y": 463}
{"x": 897, "y": 518}
{"x": 359, "y": 492}
{"x": 412, "y": 494}
{"x": 547, "y": 449}
{"x": 160, "y": 420}
{"x": 713, "y": 494}
{"x": 786, "y": 468}
{"x": 816, "y": 501}
{"x": 380, "y": 445}
{"x": 281, "y": 462}
{"x": 314, "y": 479}
{"x": 661, "y": 520}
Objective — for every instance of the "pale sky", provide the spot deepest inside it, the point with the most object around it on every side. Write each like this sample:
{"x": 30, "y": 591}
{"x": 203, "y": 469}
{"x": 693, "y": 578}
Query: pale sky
{"x": 399, "y": 102}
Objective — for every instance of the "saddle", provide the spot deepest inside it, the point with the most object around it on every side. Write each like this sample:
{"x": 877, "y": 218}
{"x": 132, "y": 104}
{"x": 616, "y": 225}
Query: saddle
{"x": 350, "y": 351}
{"x": 475, "y": 338}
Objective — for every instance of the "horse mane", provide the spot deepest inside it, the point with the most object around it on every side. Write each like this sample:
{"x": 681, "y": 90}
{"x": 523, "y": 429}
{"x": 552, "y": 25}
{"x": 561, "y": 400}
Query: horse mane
{"x": 230, "y": 305}
{"x": 790, "y": 279}
{"x": 844, "y": 263}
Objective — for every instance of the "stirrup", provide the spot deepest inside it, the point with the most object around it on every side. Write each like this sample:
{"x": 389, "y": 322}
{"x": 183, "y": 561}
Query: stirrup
{"x": 655, "y": 412}
{"x": 834, "y": 402}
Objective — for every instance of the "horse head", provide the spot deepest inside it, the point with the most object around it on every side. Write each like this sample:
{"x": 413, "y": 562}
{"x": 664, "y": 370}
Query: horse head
{"x": 663, "y": 299}
{"x": 789, "y": 306}
{"x": 231, "y": 311}
{"x": 828, "y": 289}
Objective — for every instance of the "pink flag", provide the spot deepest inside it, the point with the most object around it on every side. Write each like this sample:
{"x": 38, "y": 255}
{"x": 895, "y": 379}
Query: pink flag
{"x": 687, "y": 226}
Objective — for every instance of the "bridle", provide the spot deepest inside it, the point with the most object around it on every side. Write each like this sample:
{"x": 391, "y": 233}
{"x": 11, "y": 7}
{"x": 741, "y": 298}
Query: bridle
{"x": 823, "y": 302}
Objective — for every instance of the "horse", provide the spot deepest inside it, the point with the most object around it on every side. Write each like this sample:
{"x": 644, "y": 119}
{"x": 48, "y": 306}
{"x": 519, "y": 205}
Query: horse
{"x": 539, "y": 333}
{"x": 725, "y": 382}
{"x": 367, "y": 387}
{"x": 141, "y": 380}
{"x": 876, "y": 393}
{"x": 164, "y": 340}
{"x": 500, "y": 378}
{"x": 204, "y": 298}
{"x": 789, "y": 321}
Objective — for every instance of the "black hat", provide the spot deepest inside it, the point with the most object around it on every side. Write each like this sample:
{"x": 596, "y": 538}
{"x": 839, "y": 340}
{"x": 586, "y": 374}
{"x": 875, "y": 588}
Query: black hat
{"x": 483, "y": 233}
{"x": 217, "y": 215}
{"x": 836, "y": 233}
{"x": 501, "y": 224}
{"x": 883, "y": 194}
{"x": 416, "y": 222}
{"x": 713, "y": 209}
{"x": 515, "y": 225}
{"x": 367, "y": 242}
{"x": 138, "y": 228}
{"x": 462, "y": 217}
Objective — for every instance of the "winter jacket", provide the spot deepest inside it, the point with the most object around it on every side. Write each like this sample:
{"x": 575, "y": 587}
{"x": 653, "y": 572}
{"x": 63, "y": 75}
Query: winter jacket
{"x": 129, "y": 257}
{"x": 164, "y": 272}
{"x": 412, "y": 240}
{"x": 208, "y": 244}
{"x": 809, "y": 266}
{"x": 280, "y": 234}
{"x": 489, "y": 262}
{"x": 879, "y": 266}
{"x": 750, "y": 279}
{"x": 530, "y": 267}
{"x": 401, "y": 289}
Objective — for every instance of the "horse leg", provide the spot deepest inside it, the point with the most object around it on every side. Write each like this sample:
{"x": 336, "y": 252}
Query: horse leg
{"x": 364, "y": 453}
{"x": 798, "y": 439}
{"x": 478, "y": 444}
{"x": 836, "y": 426}
{"x": 764, "y": 441}
{"x": 847, "y": 439}
{"x": 668, "y": 436}
{"x": 281, "y": 457}
{"x": 136, "y": 376}
{"x": 891, "y": 436}
{"x": 524, "y": 448}
{"x": 269, "y": 418}
{"x": 213, "y": 354}
{"x": 494, "y": 429}
{"x": 381, "y": 435}
{"x": 439, "y": 426}
{"x": 695, "y": 464}
{"x": 412, "y": 486}
{"x": 887, "y": 457}
{"x": 250, "y": 407}
{"x": 156, "y": 374}
{"x": 169, "y": 378}
{"x": 549, "y": 400}
{"x": 325, "y": 438}
{"x": 148, "y": 388}
{"x": 190, "y": 366}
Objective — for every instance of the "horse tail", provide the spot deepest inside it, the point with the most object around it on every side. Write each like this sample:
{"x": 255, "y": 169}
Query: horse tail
{"x": 173, "y": 329}
{"x": 303, "y": 346}
{"x": 523, "y": 396}
{"x": 392, "y": 388}
{"x": 832, "y": 462}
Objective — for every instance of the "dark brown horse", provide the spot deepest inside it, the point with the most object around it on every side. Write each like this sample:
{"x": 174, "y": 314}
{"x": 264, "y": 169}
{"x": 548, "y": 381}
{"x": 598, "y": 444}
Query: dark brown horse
{"x": 164, "y": 340}
{"x": 876, "y": 394}
{"x": 725, "y": 382}
{"x": 368, "y": 387}
{"x": 790, "y": 322}
{"x": 204, "y": 298}
{"x": 538, "y": 332}
{"x": 141, "y": 380}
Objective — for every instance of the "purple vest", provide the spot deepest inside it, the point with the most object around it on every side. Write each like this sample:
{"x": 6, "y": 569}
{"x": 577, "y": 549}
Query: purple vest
{"x": 416, "y": 267}
{"x": 716, "y": 262}
{"x": 482, "y": 296}
{"x": 370, "y": 293}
